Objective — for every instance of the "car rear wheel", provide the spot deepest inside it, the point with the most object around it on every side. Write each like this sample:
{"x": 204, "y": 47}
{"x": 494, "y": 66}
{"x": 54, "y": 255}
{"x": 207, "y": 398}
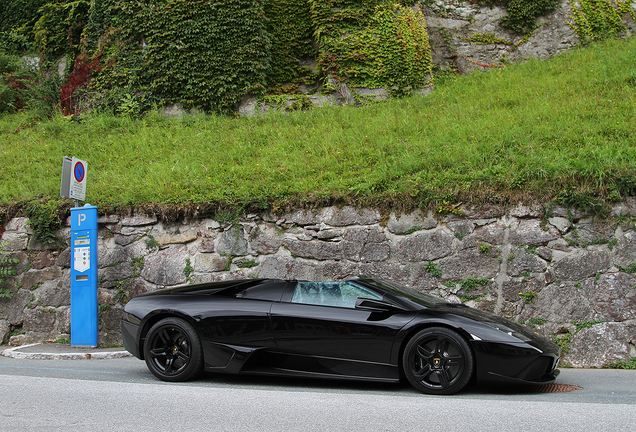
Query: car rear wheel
{"x": 438, "y": 360}
{"x": 172, "y": 350}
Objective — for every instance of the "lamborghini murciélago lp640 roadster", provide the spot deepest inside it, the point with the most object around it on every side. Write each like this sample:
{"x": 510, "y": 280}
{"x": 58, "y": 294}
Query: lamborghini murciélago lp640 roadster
{"x": 360, "y": 329}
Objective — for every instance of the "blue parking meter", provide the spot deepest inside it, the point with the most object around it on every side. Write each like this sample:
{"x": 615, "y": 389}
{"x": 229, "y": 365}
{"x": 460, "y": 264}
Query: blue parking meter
{"x": 84, "y": 319}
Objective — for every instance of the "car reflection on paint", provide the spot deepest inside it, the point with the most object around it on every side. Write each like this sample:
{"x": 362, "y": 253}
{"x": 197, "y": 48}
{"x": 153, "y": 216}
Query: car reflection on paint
{"x": 358, "y": 329}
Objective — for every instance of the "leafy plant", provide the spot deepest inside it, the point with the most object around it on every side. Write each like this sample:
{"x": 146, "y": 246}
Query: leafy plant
{"x": 433, "y": 269}
{"x": 45, "y": 217}
{"x": 528, "y": 296}
{"x": 631, "y": 364}
{"x": 484, "y": 248}
{"x": 188, "y": 270}
{"x": 7, "y": 269}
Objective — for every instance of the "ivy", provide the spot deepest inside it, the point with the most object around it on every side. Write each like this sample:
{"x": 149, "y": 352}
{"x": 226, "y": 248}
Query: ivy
{"x": 290, "y": 27}
{"x": 522, "y": 14}
{"x": 58, "y": 31}
{"x": 203, "y": 54}
{"x": 599, "y": 19}
{"x": 376, "y": 44}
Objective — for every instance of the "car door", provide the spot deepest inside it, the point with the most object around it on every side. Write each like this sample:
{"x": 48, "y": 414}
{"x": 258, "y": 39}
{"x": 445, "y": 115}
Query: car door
{"x": 320, "y": 319}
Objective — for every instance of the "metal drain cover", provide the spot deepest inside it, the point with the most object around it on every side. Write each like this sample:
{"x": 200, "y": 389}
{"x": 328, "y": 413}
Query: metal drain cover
{"x": 554, "y": 388}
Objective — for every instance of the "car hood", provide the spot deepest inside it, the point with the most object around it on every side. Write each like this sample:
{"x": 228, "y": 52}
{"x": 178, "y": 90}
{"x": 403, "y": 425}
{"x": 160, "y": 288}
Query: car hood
{"x": 503, "y": 324}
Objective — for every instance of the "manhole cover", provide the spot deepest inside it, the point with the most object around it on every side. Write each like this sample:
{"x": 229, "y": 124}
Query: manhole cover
{"x": 554, "y": 388}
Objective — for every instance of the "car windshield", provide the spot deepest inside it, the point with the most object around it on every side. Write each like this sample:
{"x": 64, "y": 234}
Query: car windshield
{"x": 408, "y": 293}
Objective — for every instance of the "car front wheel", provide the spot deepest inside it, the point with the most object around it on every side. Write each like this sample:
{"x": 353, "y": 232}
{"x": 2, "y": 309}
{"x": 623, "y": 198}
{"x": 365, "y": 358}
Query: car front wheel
{"x": 438, "y": 360}
{"x": 172, "y": 350}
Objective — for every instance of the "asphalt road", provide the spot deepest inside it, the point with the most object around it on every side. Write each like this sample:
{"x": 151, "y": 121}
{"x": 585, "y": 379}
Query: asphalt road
{"x": 120, "y": 394}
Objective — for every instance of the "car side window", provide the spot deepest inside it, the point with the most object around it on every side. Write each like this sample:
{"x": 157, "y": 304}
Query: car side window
{"x": 339, "y": 294}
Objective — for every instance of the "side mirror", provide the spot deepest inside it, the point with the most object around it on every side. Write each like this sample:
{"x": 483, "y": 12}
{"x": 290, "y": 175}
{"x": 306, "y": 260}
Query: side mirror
{"x": 376, "y": 305}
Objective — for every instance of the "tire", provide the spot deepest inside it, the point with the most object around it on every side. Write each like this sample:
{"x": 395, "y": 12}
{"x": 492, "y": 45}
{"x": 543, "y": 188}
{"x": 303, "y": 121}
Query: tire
{"x": 438, "y": 361}
{"x": 172, "y": 350}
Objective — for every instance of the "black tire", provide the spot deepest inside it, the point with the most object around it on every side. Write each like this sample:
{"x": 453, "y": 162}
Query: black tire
{"x": 172, "y": 350}
{"x": 438, "y": 361}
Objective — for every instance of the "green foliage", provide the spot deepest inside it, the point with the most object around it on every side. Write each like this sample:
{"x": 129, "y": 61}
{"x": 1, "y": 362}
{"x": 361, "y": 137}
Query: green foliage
{"x": 484, "y": 248}
{"x": 7, "y": 269}
{"x": 203, "y": 54}
{"x": 376, "y": 44}
{"x": 58, "y": 32}
{"x": 487, "y": 38}
{"x": 537, "y": 321}
{"x": 631, "y": 364}
{"x": 45, "y": 217}
{"x": 585, "y": 324}
{"x": 563, "y": 340}
{"x": 472, "y": 283}
{"x": 522, "y": 14}
{"x": 599, "y": 19}
{"x": 246, "y": 263}
{"x": 528, "y": 296}
{"x": 188, "y": 270}
{"x": 433, "y": 269}
{"x": 17, "y": 18}
{"x": 290, "y": 28}
{"x": 629, "y": 269}
{"x": 414, "y": 152}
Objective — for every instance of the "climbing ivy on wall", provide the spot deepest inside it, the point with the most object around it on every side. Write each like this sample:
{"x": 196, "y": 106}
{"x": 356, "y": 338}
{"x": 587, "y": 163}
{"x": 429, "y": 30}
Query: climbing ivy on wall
{"x": 58, "y": 32}
{"x": 290, "y": 29}
{"x": 204, "y": 54}
{"x": 372, "y": 44}
{"x": 599, "y": 19}
{"x": 522, "y": 14}
{"x": 17, "y": 18}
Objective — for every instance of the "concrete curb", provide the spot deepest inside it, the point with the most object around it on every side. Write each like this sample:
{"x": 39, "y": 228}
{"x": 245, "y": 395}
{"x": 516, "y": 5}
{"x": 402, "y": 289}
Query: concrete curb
{"x": 95, "y": 355}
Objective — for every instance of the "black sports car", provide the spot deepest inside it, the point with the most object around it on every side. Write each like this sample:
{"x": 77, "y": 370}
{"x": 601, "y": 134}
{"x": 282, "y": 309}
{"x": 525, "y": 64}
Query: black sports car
{"x": 361, "y": 328}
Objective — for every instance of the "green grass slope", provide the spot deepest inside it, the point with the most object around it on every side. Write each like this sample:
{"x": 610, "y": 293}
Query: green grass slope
{"x": 562, "y": 129}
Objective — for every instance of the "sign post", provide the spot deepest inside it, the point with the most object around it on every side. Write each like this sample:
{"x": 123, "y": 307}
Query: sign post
{"x": 84, "y": 308}
{"x": 73, "y": 184}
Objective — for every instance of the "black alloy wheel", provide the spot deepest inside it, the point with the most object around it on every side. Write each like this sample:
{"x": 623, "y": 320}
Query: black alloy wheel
{"x": 172, "y": 350}
{"x": 438, "y": 360}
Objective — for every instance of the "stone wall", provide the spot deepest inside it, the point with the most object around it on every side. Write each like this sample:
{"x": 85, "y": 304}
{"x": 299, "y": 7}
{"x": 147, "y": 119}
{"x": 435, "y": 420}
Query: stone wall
{"x": 566, "y": 274}
{"x": 451, "y": 23}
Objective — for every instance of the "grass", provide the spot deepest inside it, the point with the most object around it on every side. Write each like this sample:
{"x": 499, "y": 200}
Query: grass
{"x": 539, "y": 130}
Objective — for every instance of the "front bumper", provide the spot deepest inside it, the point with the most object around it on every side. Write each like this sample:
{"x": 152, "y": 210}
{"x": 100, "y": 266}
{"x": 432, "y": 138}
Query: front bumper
{"x": 129, "y": 335}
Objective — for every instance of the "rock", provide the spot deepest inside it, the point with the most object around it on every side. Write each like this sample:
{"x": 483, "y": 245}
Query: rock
{"x": 404, "y": 223}
{"x": 319, "y": 250}
{"x": 232, "y": 242}
{"x": 339, "y": 217}
{"x": 624, "y": 253}
{"x": 166, "y": 266}
{"x": 560, "y": 302}
{"x": 267, "y": 239}
{"x": 207, "y": 263}
{"x": 365, "y": 245}
{"x": 530, "y": 233}
{"x": 614, "y": 296}
{"x": 525, "y": 262}
{"x": 423, "y": 246}
{"x": 469, "y": 263}
{"x": 286, "y": 268}
{"x": 581, "y": 265}
{"x": 602, "y": 344}
{"x": 562, "y": 224}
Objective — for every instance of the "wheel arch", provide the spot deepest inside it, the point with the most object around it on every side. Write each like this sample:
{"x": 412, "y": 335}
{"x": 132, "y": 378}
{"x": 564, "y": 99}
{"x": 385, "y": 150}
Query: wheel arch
{"x": 157, "y": 316}
{"x": 412, "y": 331}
